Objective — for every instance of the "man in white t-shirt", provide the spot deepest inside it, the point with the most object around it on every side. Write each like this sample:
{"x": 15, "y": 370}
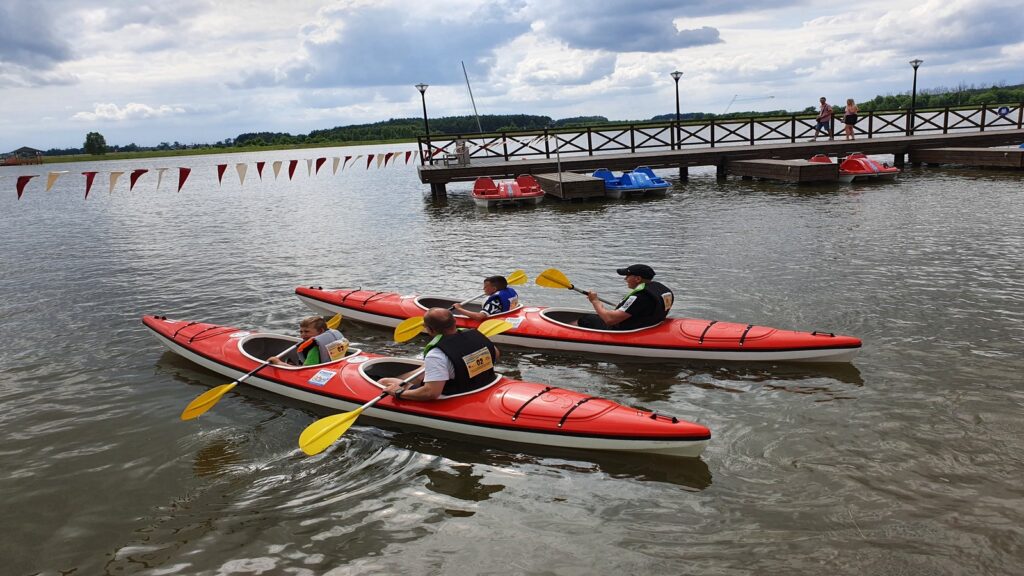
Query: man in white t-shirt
{"x": 454, "y": 362}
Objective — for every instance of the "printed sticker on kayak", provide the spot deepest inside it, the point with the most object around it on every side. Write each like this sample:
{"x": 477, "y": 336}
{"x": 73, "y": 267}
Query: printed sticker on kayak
{"x": 515, "y": 322}
{"x": 239, "y": 334}
{"x": 322, "y": 377}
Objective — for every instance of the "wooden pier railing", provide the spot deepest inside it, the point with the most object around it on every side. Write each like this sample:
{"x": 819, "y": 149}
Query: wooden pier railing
{"x": 660, "y": 136}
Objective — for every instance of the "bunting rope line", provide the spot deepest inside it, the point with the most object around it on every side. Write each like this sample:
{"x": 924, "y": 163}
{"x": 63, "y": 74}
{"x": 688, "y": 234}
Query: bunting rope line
{"x": 24, "y": 183}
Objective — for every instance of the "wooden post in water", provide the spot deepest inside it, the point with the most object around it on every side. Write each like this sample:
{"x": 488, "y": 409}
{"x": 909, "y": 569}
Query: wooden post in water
{"x": 720, "y": 169}
{"x": 899, "y": 160}
{"x": 684, "y": 173}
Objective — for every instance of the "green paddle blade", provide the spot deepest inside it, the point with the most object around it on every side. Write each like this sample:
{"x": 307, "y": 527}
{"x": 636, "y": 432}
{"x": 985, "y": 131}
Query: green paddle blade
{"x": 205, "y": 401}
{"x": 319, "y": 435}
{"x": 553, "y": 278}
{"x": 517, "y": 278}
{"x": 409, "y": 329}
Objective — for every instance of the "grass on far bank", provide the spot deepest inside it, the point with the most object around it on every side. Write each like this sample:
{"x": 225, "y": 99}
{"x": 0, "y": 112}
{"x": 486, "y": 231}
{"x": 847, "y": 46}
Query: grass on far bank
{"x": 204, "y": 151}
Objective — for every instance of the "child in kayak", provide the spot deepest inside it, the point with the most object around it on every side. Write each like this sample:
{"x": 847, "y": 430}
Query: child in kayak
{"x": 500, "y": 298}
{"x": 319, "y": 343}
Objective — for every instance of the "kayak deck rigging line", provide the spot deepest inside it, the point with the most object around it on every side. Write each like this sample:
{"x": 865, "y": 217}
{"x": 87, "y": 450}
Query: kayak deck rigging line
{"x": 574, "y": 407}
{"x": 744, "y": 336}
{"x": 706, "y": 328}
{"x": 527, "y": 403}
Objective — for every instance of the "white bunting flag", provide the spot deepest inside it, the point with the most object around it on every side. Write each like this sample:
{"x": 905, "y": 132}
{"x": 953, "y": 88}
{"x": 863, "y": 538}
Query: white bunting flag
{"x": 242, "y": 167}
{"x": 277, "y": 168}
{"x": 113, "y": 179}
{"x": 309, "y": 167}
{"x": 380, "y": 160}
{"x": 159, "y": 176}
{"x": 337, "y": 161}
{"x": 52, "y": 177}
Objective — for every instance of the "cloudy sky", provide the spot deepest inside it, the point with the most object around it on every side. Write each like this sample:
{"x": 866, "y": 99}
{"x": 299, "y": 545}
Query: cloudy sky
{"x": 147, "y": 71}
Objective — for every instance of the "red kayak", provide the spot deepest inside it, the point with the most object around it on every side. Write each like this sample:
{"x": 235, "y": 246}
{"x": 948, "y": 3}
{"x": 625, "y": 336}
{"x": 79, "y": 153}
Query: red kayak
{"x": 551, "y": 328}
{"x": 523, "y": 190}
{"x": 507, "y": 410}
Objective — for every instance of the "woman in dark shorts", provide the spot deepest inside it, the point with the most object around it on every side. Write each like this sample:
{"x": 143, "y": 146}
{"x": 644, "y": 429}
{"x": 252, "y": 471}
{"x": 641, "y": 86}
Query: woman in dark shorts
{"x": 850, "y": 118}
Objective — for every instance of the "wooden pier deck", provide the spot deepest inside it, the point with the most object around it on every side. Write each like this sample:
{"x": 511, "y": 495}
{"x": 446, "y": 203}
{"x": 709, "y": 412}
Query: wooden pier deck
{"x": 983, "y": 157}
{"x": 437, "y": 176}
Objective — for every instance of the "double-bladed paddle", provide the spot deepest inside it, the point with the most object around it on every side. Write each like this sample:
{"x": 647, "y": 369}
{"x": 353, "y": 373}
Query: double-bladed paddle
{"x": 321, "y": 434}
{"x": 207, "y": 399}
{"x": 411, "y": 327}
{"x": 554, "y": 278}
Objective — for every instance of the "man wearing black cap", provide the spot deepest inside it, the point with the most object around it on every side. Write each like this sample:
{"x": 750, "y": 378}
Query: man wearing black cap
{"x": 647, "y": 303}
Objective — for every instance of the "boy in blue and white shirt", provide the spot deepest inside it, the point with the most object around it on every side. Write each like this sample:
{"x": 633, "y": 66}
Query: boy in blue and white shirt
{"x": 500, "y": 298}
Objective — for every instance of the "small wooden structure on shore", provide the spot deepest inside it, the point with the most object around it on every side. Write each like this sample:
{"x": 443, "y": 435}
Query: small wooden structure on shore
{"x": 23, "y": 155}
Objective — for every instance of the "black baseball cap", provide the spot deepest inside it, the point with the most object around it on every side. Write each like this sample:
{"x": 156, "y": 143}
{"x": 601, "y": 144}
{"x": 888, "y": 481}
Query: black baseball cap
{"x": 642, "y": 270}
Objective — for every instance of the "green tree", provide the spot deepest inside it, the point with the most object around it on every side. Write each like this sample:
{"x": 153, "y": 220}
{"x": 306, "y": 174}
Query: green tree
{"x": 95, "y": 143}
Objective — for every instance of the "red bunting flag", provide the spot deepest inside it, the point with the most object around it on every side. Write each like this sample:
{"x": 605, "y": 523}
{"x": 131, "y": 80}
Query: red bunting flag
{"x": 369, "y": 159}
{"x": 134, "y": 177}
{"x": 220, "y": 172}
{"x": 182, "y": 176}
{"x": 291, "y": 167}
{"x": 88, "y": 182}
{"x": 259, "y": 169}
{"x": 387, "y": 158}
{"x": 319, "y": 163}
{"x": 408, "y": 154}
{"x": 22, "y": 181}
{"x": 345, "y": 163}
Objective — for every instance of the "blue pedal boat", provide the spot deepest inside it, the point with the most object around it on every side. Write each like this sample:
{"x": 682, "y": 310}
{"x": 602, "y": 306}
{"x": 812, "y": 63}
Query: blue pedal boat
{"x": 638, "y": 182}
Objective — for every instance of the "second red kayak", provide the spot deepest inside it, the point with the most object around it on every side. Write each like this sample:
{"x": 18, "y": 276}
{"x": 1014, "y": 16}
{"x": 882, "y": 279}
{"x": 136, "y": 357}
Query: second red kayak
{"x": 553, "y": 329}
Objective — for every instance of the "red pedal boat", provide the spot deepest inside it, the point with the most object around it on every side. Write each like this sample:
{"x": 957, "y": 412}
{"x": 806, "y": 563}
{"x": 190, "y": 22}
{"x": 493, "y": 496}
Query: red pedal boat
{"x": 505, "y": 411}
{"x": 523, "y": 190}
{"x": 857, "y": 166}
{"x": 551, "y": 328}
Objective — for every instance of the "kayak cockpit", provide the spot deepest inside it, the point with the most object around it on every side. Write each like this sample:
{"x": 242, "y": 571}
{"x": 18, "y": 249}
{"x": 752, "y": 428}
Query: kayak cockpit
{"x": 374, "y": 370}
{"x": 260, "y": 347}
{"x": 428, "y": 302}
{"x": 568, "y": 317}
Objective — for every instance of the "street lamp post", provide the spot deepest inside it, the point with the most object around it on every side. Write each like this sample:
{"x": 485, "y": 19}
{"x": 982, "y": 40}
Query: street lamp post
{"x": 676, "y": 75}
{"x": 426, "y": 126}
{"x": 913, "y": 97}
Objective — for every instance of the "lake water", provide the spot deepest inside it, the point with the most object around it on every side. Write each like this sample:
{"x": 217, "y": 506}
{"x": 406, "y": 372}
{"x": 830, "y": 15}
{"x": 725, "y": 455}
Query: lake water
{"x": 908, "y": 461}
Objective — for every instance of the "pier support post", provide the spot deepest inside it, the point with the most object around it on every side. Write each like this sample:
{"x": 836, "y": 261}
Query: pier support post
{"x": 720, "y": 170}
{"x": 684, "y": 173}
{"x": 437, "y": 191}
{"x": 899, "y": 160}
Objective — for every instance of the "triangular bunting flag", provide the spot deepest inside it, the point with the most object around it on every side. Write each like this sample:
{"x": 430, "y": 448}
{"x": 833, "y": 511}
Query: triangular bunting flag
{"x": 220, "y": 172}
{"x": 88, "y": 182}
{"x": 369, "y": 160}
{"x": 113, "y": 179}
{"x": 291, "y": 167}
{"x": 22, "y": 181}
{"x": 134, "y": 177}
{"x": 259, "y": 169}
{"x": 319, "y": 163}
{"x": 309, "y": 167}
{"x": 345, "y": 163}
{"x": 334, "y": 170}
{"x": 52, "y": 177}
{"x": 387, "y": 158}
{"x": 182, "y": 176}
{"x": 241, "y": 167}
{"x": 277, "y": 168}
{"x": 408, "y": 154}
{"x": 159, "y": 176}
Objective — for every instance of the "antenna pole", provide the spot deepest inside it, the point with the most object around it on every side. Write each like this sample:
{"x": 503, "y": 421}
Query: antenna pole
{"x": 478, "y": 127}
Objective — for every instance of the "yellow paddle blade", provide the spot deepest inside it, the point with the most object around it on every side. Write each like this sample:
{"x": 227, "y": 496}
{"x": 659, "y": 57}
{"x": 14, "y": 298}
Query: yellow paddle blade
{"x": 409, "y": 329}
{"x": 334, "y": 322}
{"x": 493, "y": 327}
{"x": 205, "y": 401}
{"x": 517, "y": 278}
{"x": 553, "y": 278}
{"x": 319, "y": 435}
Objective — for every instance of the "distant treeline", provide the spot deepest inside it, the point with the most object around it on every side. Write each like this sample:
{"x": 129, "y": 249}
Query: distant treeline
{"x": 412, "y": 128}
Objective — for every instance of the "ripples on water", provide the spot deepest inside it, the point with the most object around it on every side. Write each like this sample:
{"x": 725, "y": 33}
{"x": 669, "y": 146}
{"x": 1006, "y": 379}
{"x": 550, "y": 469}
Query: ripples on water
{"x": 907, "y": 461}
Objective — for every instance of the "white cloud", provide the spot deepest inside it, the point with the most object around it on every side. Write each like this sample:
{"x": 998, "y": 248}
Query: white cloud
{"x": 131, "y": 111}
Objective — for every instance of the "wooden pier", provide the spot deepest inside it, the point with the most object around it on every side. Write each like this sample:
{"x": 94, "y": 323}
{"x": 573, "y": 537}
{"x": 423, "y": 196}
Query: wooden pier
{"x": 438, "y": 175}
{"x": 784, "y": 170}
{"x": 571, "y": 186}
{"x": 981, "y": 157}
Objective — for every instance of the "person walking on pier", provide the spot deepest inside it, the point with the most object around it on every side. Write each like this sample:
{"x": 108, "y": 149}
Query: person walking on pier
{"x": 824, "y": 120}
{"x": 850, "y": 118}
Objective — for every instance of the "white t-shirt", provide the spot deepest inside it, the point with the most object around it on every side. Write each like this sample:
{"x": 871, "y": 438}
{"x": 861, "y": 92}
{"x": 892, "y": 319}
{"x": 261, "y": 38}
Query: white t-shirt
{"x": 437, "y": 367}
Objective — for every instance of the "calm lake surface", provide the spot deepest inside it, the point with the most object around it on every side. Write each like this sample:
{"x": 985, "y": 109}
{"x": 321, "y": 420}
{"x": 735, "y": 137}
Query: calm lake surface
{"x": 908, "y": 461}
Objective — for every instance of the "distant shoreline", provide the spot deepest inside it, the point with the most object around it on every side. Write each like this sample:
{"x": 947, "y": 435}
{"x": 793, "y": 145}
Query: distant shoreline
{"x": 206, "y": 151}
